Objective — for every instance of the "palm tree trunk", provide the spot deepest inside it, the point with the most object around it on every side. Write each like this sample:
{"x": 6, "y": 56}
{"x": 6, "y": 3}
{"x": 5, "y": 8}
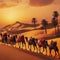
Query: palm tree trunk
{"x": 58, "y": 29}
{"x": 45, "y": 30}
{"x": 34, "y": 26}
{"x": 55, "y": 30}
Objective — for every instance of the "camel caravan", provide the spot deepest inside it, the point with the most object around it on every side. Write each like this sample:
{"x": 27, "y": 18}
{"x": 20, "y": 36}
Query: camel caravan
{"x": 38, "y": 44}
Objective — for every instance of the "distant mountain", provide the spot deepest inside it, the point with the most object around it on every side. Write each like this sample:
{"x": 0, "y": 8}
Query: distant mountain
{"x": 23, "y": 27}
{"x": 18, "y": 25}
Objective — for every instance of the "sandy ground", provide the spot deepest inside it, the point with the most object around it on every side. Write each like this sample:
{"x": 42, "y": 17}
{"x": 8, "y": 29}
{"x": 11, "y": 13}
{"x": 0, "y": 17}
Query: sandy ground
{"x": 11, "y": 53}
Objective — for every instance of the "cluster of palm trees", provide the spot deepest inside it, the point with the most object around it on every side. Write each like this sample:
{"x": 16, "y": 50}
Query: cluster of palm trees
{"x": 55, "y": 21}
{"x": 44, "y": 22}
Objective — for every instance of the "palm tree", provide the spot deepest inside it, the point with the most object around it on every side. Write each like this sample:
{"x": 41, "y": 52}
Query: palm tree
{"x": 44, "y": 23}
{"x": 54, "y": 23}
{"x": 34, "y": 21}
{"x": 55, "y": 15}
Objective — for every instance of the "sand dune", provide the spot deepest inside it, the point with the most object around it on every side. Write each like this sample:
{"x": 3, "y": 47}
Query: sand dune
{"x": 18, "y": 25}
{"x": 11, "y": 53}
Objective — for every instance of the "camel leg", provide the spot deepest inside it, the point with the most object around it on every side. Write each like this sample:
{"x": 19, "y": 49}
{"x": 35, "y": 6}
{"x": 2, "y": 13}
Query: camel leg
{"x": 30, "y": 47}
{"x": 40, "y": 49}
{"x": 34, "y": 48}
{"x": 46, "y": 50}
{"x": 55, "y": 53}
{"x": 22, "y": 45}
{"x": 43, "y": 49}
{"x": 25, "y": 45}
{"x": 50, "y": 53}
{"x": 58, "y": 53}
{"x": 19, "y": 45}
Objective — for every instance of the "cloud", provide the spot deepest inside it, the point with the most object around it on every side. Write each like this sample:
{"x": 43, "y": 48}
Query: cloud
{"x": 40, "y": 2}
{"x": 8, "y": 3}
{"x": 57, "y": 2}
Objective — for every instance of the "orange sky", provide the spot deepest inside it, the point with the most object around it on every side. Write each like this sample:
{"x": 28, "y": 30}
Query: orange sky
{"x": 25, "y": 10}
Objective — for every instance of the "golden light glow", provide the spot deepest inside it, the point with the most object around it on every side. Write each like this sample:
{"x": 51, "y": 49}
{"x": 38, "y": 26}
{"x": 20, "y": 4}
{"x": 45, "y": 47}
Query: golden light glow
{"x": 10, "y": 15}
{"x": 23, "y": 12}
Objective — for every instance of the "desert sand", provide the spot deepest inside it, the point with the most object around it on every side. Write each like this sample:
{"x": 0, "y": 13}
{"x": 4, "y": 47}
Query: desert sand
{"x": 11, "y": 53}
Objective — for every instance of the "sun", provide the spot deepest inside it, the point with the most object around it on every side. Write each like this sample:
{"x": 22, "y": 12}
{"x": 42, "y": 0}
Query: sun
{"x": 10, "y": 15}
